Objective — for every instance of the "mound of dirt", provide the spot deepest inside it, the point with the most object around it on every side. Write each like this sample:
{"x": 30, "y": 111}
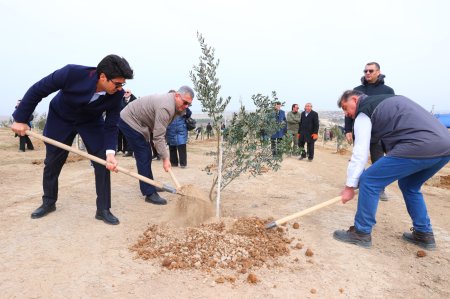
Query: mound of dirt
{"x": 239, "y": 245}
{"x": 442, "y": 181}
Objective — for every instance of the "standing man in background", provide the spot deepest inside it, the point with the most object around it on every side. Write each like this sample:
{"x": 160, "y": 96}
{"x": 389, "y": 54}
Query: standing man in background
{"x": 122, "y": 144}
{"x": 84, "y": 94}
{"x": 372, "y": 84}
{"x": 308, "y": 132}
{"x": 275, "y": 139}
{"x": 293, "y": 122}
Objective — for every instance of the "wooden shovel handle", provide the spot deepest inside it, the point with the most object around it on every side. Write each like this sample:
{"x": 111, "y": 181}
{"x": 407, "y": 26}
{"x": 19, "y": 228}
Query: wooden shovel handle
{"x": 174, "y": 179}
{"x": 99, "y": 161}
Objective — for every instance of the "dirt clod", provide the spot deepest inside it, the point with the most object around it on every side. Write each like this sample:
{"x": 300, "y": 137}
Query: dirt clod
{"x": 309, "y": 252}
{"x": 313, "y": 291}
{"x": 421, "y": 253}
{"x": 252, "y": 278}
{"x": 295, "y": 225}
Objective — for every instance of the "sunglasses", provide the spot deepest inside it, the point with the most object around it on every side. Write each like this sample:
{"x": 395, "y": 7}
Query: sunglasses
{"x": 368, "y": 71}
{"x": 118, "y": 84}
{"x": 186, "y": 103}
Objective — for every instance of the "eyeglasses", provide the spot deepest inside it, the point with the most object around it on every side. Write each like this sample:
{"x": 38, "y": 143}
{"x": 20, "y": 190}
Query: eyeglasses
{"x": 186, "y": 103}
{"x": 368, "y": 71}
{"x": 118, "y": 84}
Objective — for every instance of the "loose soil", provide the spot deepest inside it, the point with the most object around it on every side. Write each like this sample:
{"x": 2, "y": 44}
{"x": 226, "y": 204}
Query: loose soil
{"x": 161, "y": 252}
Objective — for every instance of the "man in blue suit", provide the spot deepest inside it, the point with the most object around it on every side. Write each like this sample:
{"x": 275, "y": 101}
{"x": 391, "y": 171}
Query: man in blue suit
{"x": 84, "y": 94}
{"x": 275, "y": 139}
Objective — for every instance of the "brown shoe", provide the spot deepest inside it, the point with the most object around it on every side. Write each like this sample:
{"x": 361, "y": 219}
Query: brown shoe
{"x": 424, "y": 240}
{"x": 353, "y": 236}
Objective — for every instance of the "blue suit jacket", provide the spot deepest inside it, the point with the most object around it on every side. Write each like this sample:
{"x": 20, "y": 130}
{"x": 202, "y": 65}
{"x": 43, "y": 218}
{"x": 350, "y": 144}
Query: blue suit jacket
{"x": 70, "y": 109}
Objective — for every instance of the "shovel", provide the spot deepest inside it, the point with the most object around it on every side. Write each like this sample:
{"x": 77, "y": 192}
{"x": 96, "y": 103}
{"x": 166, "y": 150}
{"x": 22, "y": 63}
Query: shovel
{"x": 304, "y": 212}
{"x": 102, "y": 162}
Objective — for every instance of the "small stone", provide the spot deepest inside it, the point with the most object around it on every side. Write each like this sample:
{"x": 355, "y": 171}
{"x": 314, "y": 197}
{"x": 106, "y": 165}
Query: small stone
{"x": 298, "y": 246}
{"x": 296, "y": 225}
{"x": 313, "y": 291}
{"x": 309, "y": 252}
{"x": 166, "y": 263}
{"x": 341, "y": 290}
{"x": 220, "y": 279}
{"x": 421, "y": 253}
{"x": 252, "y": 278}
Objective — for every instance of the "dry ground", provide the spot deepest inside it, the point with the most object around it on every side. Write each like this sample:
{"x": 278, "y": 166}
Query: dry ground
{"x": 69, "y": 254}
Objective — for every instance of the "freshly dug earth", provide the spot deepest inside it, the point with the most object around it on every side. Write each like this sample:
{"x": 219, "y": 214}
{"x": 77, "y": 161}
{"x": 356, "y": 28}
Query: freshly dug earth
{"x": 240, "y": 245}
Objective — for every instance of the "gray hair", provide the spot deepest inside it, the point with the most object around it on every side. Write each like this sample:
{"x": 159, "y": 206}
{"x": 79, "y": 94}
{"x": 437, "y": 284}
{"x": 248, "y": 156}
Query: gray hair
{"x": 346, "y": 95}
{"x": 186, "y": 89}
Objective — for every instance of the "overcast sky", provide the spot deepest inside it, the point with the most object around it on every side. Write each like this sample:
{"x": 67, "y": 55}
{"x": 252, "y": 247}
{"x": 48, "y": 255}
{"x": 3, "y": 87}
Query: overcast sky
{"x": 306, "y": 51}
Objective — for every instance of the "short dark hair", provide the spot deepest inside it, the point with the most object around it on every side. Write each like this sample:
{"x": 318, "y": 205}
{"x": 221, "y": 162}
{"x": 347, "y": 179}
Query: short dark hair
{"x": 374, "y": 63}
{"x": 348, "y": 93}
{"x": 277, "y": 103}
{"x": 293, "y": 105}
{"x": 114, "y": 66}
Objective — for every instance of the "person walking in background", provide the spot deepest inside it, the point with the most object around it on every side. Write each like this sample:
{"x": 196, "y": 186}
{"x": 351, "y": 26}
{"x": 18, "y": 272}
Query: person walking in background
{"x": 199, "y": 131}
{"x": 293, "y": 123}
{"x": 372, "y": 84}
{"x": 208, "y": 130}
{"x": 152, "y": 114}
{"x": 85, "y": 93}
{"x": 308, "y": 132}
{"x": 417, "y": 146}
{"x": 122, "y": 144}
{"x": 177, "y": 137}
{"x": 25, "y": 140}
{"x": 276, "y": 138}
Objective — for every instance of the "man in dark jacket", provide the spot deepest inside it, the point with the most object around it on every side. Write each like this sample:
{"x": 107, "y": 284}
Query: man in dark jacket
{"x": 276, "y": 138}
{"x": 372, "y": 84}
{"x": 122, "y": 143}
{"x": 417, "y": 146}
{"x": 308, "y": 132}
{"x": 84, "y": 94}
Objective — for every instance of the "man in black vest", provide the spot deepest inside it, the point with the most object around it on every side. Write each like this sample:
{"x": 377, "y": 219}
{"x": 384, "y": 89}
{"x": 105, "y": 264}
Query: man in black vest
{"x": 372, "y": 84}
{"x": 417, "y": 146}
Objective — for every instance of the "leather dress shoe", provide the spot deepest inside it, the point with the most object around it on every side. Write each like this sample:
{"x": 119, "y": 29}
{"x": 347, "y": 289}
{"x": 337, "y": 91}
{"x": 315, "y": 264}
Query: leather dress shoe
{"x": 155, "y": 199}
{"x": 107, "y": 217}
{"x": 128, "y": 154}
{"x": 43, "y": 210}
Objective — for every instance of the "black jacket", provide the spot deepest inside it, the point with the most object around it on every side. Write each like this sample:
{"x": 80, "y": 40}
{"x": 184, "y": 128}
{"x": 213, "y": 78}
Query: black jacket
{"x": 370, "y": 89}
{"x": 308, "y": 125}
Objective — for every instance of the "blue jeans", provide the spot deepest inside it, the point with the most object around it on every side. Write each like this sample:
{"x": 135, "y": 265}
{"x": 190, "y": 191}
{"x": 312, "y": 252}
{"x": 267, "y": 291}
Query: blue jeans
{"x": 142, "y": 154}
{"x": 411, "y": 175}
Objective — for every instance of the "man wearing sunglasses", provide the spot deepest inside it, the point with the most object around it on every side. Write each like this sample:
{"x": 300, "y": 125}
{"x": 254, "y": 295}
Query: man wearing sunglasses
{"x": 151, "y": 115}
{"x": 372, "y": 84}
{"x": 83, "y": 95}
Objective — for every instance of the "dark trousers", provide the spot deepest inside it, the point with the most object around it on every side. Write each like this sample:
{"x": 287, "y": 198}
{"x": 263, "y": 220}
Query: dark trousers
{"x": 55, "y": 159}
{"x": 142, "y": 154}
{"x": 25, "y": 140}
{"x": 178, "y": 153}
{"x": 309, "y": 149}
{"x": 122, "y": 144}
{"x": 274, "y": 142}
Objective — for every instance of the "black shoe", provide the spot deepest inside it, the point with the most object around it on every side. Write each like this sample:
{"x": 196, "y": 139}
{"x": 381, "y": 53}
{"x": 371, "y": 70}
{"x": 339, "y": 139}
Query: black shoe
{"x": 155, "y": 199}
{"x": 43, "y": 210}
{"x": 301, "y": 158}
{"x": 128, "y": 154}
{"x": 353, "y": 236}
{"x": 107, "y": 217}
{"x": 30, "y": 148}
{"x": 310, "y": 159}
{"x": 424, "y": 240}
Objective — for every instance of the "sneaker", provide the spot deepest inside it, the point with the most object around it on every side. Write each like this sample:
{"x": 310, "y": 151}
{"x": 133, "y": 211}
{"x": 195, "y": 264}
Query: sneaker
{"x": 424, "y": 240}
{"x": 383, "y": 196}
{"x": 353, "y": 236}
